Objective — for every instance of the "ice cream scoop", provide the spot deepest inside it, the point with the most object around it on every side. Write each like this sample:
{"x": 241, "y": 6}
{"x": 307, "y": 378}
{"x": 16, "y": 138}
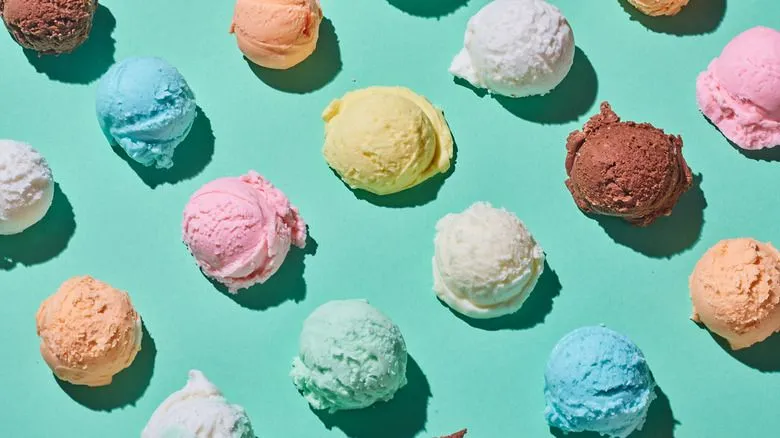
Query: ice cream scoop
{"x": 516, "y": 48}
{"x": 49, "y": 26}
{"x": 277, "y": 34}
{"x": 486, "y": 263}
{"x": 735, "y": 290}
{"x": 597, "y": 380}
{"x": 740, "y": 90}
{"x": 199, "y": 410}
{"x": 89, "y": 331}
{"x": 239, "y": 229}
{"x": 26, "y": 187}
{"x": 630, "y": 170}
{"x": 351, "y": 356}
{"x": 146, "y": 107}
{"x": 386, "y": 139}
{"x": 459, "y": 434}
{"x": 659, "y": 7}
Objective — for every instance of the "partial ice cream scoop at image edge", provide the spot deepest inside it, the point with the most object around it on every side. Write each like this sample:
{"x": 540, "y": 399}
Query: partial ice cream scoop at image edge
{"x": 351, "y": 356}
{"x": 486, "y": 263}
{"x": 516, "y": 48}
{"x": 277, "y": 34}
{"x": 386, "y": 139}
{"x": 597, "y": 380}
{"x": 657, "y": 8}
{"x": 49, "y": 27}
{"x": 629, "y": 170}
{"x": 89, "y": 331}
{"x": 199, "y": 410}
{"x": 240, "y": 230}
{"x": 739, "y": 92}
{"x": 145, "y": 106}
{"x": 735, "y": 291}
{"x": 26, "y": 187}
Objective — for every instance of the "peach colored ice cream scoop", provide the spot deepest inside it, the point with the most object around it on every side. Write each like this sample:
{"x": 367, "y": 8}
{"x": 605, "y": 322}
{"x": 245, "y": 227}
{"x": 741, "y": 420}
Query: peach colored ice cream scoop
{"x": 277, "y": 34}
{"x": 89, "y": 331}
{"x": 240, "y": 229}
{"x": 735, "y": 289}
{"x": 659, "y": 7}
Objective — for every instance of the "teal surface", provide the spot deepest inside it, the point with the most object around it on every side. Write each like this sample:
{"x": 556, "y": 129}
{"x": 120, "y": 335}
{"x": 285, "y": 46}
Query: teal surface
{"x": 120, "y": 223}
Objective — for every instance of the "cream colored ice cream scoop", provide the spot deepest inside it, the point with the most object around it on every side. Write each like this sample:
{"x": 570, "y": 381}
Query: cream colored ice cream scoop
{"x": 659, "y": 7}
{"x": 89, "y": 331}
{"x": 735, "y": 289}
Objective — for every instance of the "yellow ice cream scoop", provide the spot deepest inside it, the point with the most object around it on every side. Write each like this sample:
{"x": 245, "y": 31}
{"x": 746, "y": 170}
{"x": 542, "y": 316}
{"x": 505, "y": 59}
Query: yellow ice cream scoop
{"x": 659, "y": 7}
{"x": 386, "y": 139}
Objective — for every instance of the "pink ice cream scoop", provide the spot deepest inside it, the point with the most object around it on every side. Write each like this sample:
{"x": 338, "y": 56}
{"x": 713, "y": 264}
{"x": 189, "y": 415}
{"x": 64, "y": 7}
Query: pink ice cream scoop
{"x": 240, "y": 230}
{"x": 740, "y": 90}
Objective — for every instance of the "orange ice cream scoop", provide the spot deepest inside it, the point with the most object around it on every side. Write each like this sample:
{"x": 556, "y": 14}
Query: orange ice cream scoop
{"x": 89, "y": 331}
{"x": 277, "y": 34}
{"x": 659, "y": 7}
{"x": 735, "y": 289}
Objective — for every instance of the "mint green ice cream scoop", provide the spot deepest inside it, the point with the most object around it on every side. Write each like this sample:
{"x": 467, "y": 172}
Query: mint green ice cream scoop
{"x": 351, "y": 356}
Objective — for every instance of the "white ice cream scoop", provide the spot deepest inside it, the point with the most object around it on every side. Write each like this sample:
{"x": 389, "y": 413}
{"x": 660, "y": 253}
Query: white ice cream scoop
{"x": 26, "y": 187}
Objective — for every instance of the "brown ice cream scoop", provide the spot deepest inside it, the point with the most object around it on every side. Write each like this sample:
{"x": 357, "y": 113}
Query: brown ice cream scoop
{"x": 625, "y": 169}
{"x": 460, "y": 434}
{"x": 49, "y": 26}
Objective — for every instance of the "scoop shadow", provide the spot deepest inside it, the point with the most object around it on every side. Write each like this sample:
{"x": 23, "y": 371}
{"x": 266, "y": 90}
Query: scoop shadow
{"x": 767, "y": 154}
{"x": 763, "y": 356}
{"x": 317, "y": 71}
{"x": 43, "y": 241}
{"x": 699, "y": 17}
{"x": 668, "y": 235}
{"x": 416, "y": 196}
{"x": 89, "y": 61}
{"x": 286, "y": 284}
{"x": 533, "y": 312}
{"x": 428, "y": 8}
{"x": 402, "y": 417}
{"x": 127, "y": 387}
{"x": 189, "y": 158}
{"x": 660, "y": 422}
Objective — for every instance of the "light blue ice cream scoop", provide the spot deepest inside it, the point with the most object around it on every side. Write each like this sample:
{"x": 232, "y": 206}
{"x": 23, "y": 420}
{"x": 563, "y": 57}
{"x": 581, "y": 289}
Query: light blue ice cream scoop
{"x": 145, "y": 106}
{"x": 351, "y": 356}
{"x": 597, "y": 380}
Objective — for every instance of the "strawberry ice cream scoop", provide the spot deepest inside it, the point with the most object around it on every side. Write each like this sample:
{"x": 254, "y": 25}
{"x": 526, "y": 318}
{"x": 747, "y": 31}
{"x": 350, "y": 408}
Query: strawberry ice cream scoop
{"x": 239, "y": 229}
{"x": 740, "y": 90}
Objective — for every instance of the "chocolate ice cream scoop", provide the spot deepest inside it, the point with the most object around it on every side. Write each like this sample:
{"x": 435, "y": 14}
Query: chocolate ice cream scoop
{"x": 625, "y": 169}
{"x": 49, "y": 26}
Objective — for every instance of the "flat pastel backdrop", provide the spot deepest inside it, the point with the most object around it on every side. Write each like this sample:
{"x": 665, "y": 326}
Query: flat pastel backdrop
{"x": 120, "y": 223}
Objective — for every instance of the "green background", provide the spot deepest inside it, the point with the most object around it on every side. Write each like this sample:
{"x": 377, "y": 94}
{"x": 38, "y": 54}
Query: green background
{"x": 121, "y": 223}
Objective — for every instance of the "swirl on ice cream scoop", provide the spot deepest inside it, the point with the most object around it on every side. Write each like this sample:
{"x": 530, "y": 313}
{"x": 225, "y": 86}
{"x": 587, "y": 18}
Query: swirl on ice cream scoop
{"x": 486, "y": 263}
{"x": 199, "y": 410}
{"x": 351, "y": 356}
{"x": 26, "y": 187}
{"x": 597, "y": 380}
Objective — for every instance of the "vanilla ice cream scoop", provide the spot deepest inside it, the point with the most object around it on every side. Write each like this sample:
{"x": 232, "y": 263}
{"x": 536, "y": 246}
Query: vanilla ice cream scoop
{"x": 26, "y": 187}
{"x": 486, "y": 263}
{"x": 516, "y": 48}
{"x": 89, "y": 331}
{"x": 199, "y": 410}
{"x": 735, "y": 289}
{"x": 659, "y": 7}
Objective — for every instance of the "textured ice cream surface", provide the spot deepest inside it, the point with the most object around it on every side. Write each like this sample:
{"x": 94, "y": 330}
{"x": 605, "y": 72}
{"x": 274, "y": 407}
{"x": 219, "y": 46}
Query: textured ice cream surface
{"x": 740, "y": 90}
{"x": 597, "y": 380}
{"x": 516, "y": 48}
{"x": 199, "y": 410}
{"x": 486, "y": 263}
{"x": 630, "y": 170}
{"x": 386, "y": 139}
{"x": 277, "y": 34}
{"x": 351, "y": 356}
{"x": 239, "y": 229}
{"x": 659, "y": 7}
{"x": 26, "y": 187}
{"x": 89, "y": 331}
{"x": 146, "y": 107}
{"x": 459, "y": 434}
{"x": 735, "y": 290}
{"x": 49, "y": 26}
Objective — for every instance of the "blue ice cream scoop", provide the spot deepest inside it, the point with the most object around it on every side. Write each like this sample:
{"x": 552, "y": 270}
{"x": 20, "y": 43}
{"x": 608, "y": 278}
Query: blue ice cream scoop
{"x": 597, "y": 380}
{"x": 145, "y": 106}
